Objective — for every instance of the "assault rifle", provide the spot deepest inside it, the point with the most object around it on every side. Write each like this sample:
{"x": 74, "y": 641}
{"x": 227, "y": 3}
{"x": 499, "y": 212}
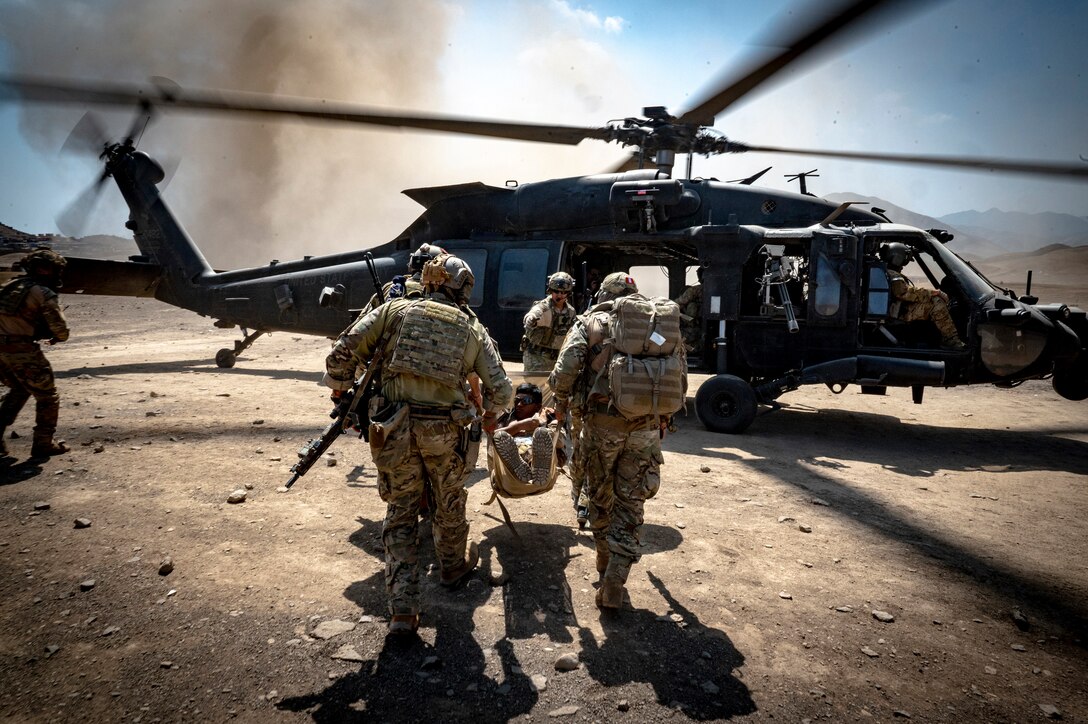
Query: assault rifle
{"x": 352, "y": 407}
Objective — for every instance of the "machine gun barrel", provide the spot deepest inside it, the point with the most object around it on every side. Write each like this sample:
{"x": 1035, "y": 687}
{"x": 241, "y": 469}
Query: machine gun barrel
{"x": 787, "y": 307}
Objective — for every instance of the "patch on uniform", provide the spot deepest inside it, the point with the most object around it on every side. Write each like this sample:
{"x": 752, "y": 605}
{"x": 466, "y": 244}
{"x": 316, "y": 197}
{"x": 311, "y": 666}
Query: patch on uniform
{"x": 432, "y": 342}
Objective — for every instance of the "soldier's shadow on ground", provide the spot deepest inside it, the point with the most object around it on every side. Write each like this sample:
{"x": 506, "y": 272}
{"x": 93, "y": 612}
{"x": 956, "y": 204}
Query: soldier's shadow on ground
{"x": 689, "y": 665}
{"x": 12, "y": 472}
{"x": 196, "y": 366}
{"x": 415, "y": 678}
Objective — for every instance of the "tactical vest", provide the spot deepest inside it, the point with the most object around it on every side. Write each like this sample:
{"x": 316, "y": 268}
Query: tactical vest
{"x": 552, "y": 328}
{"x": 432, "y": 342}
{"x": 645, "y": 373}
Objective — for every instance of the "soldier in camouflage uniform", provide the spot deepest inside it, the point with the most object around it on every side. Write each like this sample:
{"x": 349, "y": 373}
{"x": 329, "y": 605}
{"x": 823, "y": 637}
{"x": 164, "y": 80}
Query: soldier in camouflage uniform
{"x": 429, "y": 346}
{"x": 690, "y": 302}
{"x": 546, "y": 324}
{"x": 912, "y": 303}
{"x": 30, "y": 311}
{"x": 622, "y": 457}
{"x": 405, "y": 286}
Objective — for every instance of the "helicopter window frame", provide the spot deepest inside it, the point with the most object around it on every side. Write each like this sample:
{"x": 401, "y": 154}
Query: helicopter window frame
{"x": 477, "y": 262}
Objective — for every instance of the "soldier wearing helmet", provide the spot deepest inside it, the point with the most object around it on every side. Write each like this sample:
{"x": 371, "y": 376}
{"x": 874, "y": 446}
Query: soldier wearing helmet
{"x": 29, "y": 312}
{"x": 430, "y": 346}
{"x": 406, "y": 285}
{"x": 616, "y": 459}
{"x": 546, "y": 324}
{"x": 911, "y": 303}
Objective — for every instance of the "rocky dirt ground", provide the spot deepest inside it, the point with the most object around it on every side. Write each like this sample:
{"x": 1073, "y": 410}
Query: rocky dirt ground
{"x": 848, "y": 558}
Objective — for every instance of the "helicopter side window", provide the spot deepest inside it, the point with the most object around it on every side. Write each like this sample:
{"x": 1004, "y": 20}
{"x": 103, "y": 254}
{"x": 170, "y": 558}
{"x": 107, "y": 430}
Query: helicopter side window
{"x": 521, "y": 277}
{"x": 879, "y": 294}
{"x": 828, "y": 288}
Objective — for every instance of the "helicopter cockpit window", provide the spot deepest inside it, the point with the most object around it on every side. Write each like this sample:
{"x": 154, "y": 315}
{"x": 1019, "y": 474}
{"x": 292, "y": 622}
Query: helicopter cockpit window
{"x": 521, "y": 277}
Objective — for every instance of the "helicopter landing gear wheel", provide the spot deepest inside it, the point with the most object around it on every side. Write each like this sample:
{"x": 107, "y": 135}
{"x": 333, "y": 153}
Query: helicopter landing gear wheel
{"x": 726, "y": 403}
{"x": 225, "y": 358}
{"x": 1072, "y": 384}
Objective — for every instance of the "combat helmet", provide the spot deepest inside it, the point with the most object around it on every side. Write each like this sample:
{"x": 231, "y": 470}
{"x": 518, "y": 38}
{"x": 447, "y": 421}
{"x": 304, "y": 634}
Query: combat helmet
{"x": 560, "y": 282}
{"x": 42, "y": 259}
{"x": 450, "y": 274}
{"x": 896, "y": 255}
{"x": 616, "y": 284}
{"x": 422, "y": 255}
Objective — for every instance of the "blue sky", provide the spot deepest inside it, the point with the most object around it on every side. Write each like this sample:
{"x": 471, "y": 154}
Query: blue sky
{"x": 997, "y": 78}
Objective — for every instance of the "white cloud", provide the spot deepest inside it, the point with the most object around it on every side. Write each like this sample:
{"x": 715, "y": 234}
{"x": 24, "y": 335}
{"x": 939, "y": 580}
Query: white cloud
{"x": 612, "y": 24}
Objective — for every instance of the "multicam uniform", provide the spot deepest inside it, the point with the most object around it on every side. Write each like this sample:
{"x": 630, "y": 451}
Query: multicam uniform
{"x": 424, "y": 369}
{"x": 690, "y": 302}
{"x": 29, "y": 311}
{"x": 401, "y": 286}
{"x": 622, "y": 457}
{"x": 915, "y": 303}
{"x": 545, "y": 328}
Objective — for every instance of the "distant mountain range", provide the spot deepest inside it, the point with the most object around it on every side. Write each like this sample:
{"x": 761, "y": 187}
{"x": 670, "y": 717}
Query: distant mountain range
{"x": 984, "y": 234}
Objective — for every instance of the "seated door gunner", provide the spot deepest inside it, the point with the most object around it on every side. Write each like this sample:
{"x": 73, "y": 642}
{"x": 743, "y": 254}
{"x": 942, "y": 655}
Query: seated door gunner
{"x": 910, "y": 303}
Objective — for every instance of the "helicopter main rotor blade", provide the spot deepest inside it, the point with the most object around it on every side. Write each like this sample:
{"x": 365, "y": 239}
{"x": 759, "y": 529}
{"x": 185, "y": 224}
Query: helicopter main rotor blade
{"x": 162, "y": 95}
{"x": 829, "y": 22}
{"x": 73, "y": 218}
{"x": 1072, "y": 171}
{"x": 88, "y": 137}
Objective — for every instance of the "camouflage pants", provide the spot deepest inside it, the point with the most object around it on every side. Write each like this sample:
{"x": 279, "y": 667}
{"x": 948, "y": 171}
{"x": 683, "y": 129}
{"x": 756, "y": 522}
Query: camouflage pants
{"x": 418, "y": 453}
{"x": 27, "y": 372}
{"x": 623, "y": 470}
{"x": 577, "y": 461}
{"x": 935, "y": 309}
{"x": 538, "y": 363}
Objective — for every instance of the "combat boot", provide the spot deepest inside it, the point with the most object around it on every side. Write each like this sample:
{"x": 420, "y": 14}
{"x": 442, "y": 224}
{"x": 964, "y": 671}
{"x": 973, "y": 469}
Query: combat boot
{"x": 603, "y": 555}
{"x": 455, "y": 575}
{"x": 403, "y": 624}
{"x": 543, "y": 446}
{"x": 953, "y": 343}
{"x": 48, "y": 448}
{"x": 610, "y": 594}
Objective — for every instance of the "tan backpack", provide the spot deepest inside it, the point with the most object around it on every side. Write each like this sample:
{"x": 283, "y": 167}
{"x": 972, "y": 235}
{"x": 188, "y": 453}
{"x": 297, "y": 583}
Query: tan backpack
{"x": 646, "y": 375}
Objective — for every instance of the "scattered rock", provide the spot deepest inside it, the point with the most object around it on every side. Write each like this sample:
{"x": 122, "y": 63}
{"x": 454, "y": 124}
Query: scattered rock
{"x": 41, "y": 506}
{"x": 785, "y": 519}
{"x": 1020, "y": 620}
{"x": 869, "y": 652}
{"x": 433, "y": 662}
{"x": 821, "y": 501}
{"x": 332, "y": 627}
{"x": 99, "y": 448}
{"x": 166, "y": 664}
{"x": 704, "y": 469}
{"x": 110, "y": 630}
{"x": 883, "y": 616}
{"x": 497, "y": 576}
{"x": 166, "y": 567}
{"x": 1051, "y": 711}
{"x": 710, "y": 687}
{"x": 783, "y": 594}
{"x": 82, "y": 523}
{"x": 86, "y": 585}
{"x": 248, "y": 486}
{"x": 901, "y": 714}
{"x": 804, "y": 528}
{"x": 990, "y": 670}
{"x": 623, "y": 705}
{"x": 51, "y": 649}
{"x": 568, "y": 710}
{"x": 238, "y": 496}
{"x": 258, "y": 422}
{"x": 1018, "y": 647}
{"x": 347, "y": 652}
{"x": 567, "y": 662}
{"x": 330, "y": 461}
{"x": 538, "y": 682}
{"x": 845, "y": 609}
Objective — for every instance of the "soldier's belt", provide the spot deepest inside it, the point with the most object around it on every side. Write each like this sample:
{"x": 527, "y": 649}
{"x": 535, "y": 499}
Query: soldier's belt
{"x": 426, "y": 412}
{"x": 546, "y": 351}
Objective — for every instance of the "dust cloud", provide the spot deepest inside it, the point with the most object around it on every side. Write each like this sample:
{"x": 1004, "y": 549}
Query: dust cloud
{"x": 248, "y": 191}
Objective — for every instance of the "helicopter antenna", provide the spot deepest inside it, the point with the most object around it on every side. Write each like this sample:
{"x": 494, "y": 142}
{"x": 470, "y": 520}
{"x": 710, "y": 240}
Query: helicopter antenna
{"x": 800, "y": 178}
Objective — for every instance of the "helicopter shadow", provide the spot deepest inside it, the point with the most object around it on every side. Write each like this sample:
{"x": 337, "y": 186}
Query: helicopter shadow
{"x": 885, "y": 440}
{"x": 689, "y": 664}
{"x": 200, "y": 366}
{"x": 787, "y": 452}
{"x": 446, "y": 678}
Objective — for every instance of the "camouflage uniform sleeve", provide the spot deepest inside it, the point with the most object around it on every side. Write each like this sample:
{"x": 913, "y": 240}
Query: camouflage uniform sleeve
{"x": 354, "y": 347}
{"x": 572, "y": 360}
{"x": 532, "y": 317}
{"x": 498, "y": 390}
{"x": 906, "y": 292}
{"x": 54, "y": 316}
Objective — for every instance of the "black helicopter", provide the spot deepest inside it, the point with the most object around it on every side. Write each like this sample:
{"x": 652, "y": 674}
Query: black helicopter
{"x": 793, "y": 286}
